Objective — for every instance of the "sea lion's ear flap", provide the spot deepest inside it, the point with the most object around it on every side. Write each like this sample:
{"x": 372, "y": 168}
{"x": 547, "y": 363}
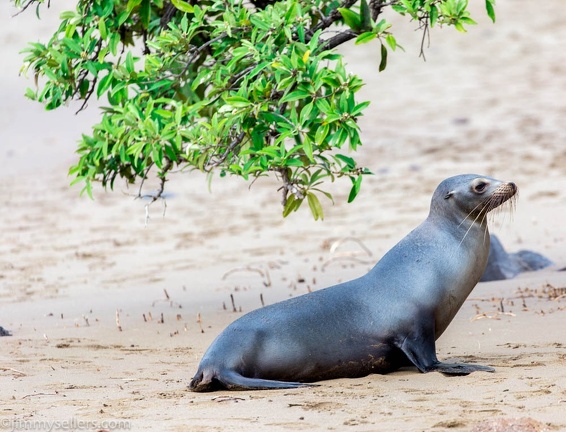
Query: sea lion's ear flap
{"x": 448, "y": 195}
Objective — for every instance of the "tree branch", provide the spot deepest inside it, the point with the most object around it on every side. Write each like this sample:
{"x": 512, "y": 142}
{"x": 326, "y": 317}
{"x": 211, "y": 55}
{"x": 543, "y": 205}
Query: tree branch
{"x": 377, "y": 6}
{"x": 231, "y": 147}
{"x": 334, "y": 16}
{"x": 339, "y": 39}
{"x": 168, "y": 14}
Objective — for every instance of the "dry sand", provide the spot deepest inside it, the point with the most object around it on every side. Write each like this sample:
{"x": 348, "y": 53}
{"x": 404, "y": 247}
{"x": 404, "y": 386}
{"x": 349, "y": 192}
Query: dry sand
{"x": 491, "y": 101}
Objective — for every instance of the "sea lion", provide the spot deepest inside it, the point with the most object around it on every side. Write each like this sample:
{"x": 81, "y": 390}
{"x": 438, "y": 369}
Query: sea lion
{"x": 502, "y": 265}
{"x": 386, "y": 319}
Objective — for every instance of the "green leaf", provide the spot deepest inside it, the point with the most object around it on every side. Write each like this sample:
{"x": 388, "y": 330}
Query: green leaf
{"x": 316, "y": 208}
{"x": 237, "y": 101}
{"x": 124, "y": 15}
{"x": 307, "y": 148}
{"x": 145, "y": 13}
{"x": 391, "y": 41}
{"x": 490, "y": 10}
{"x": 73, "y": 45}
{"x": 259, "y": 23}
{"x": 304, "y": 116}
{"x": 129, "y": 62}
{"x": 365, "y": 15}
{"x": 458, "y": 26}
{"x": 132, "y": 5}
{"x": 399, "y": 8}
{"x": 321, "y": 133}
{"x": 30, "y": 94}
{"x": 183, "y": 6}
{"x": 102, "y": 29}
{"x": 103, "y": 85}
{"x": 292, "y": 204}
{"x": 433, "y": 15}
{"x": 355, "y": 188}
{"x": 365, "y": 37}
{"x": 294, "y": 163}
{"x": 381, "y": 26}
{"x": 66, "y": 15}
{"x": 359, "y": 108}
{"x": 322, "y": 105}
{"x": 294, "y": 96}
{"x": 383, "y": 62}
{"x": 351, "y": 19}
{"x": 351, "y": 163}
{"x": 291, "y": 13}
{"x": 467, "y": 20}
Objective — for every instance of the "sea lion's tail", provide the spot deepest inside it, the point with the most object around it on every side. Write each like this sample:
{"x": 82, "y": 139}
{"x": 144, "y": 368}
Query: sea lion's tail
{"x": 210, "y": 380}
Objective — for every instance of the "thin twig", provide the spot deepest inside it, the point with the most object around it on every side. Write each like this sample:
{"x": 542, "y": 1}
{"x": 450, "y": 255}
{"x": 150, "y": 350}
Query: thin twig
{"x": 118, "y": 320}
{"x": 7, "y": 369}
{"x": 425, "y": 28}
{"x": 231, "y": 147}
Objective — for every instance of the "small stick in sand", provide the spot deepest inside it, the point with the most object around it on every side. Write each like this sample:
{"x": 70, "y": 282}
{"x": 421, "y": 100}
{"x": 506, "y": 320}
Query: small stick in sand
{"x": 12, "y": 370}
{"x": 261, "y": 299}
{"x": 118, "y": 320}
{"x": 199, "y": 321}
{"x": 233, "y": 303}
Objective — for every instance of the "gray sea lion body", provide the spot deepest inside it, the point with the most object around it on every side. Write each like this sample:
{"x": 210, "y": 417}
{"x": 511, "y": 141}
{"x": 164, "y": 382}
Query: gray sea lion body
{"x": 377, "y": 323}
{"x": 502, "y": 265}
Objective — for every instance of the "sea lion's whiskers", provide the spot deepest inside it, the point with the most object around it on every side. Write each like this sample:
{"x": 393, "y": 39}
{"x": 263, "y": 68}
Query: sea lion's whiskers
{"x": 470, "y": 212}
{"x": 498, "y": 207}
{"x": 485, "y": 232}
{"x": 492, "y": 202}
{"x": 471, "y": 224}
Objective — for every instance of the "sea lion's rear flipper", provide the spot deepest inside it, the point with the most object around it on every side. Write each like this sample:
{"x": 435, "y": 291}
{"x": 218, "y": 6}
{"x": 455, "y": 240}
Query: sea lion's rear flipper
{"x": 231, "y": 380}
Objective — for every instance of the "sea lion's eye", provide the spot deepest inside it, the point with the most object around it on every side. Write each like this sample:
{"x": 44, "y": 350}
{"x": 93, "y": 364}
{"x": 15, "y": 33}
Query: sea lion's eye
{"x": 480, "y": 186}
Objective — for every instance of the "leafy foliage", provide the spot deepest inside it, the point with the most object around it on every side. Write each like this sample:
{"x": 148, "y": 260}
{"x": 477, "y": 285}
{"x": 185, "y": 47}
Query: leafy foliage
{"x": 221, "y": 85}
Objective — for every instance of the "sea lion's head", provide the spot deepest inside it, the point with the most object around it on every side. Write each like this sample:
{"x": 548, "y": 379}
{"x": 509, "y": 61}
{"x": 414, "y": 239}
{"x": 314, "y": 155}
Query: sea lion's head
{"x": 471, "y": 196}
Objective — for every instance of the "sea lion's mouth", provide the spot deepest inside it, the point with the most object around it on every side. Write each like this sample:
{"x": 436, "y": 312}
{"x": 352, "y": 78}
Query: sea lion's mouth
{"x": 502, "y": 194}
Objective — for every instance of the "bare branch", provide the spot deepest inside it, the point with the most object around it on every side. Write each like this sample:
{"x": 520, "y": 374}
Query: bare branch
{"x": 426, "y": 33}
{"x": 29, "y": 3}
{"x": 339, "y": 39}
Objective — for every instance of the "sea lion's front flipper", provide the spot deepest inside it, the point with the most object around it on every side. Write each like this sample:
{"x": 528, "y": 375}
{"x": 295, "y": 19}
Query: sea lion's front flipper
{"x": 460, "y": 368}
{"x": 420, "y": 349}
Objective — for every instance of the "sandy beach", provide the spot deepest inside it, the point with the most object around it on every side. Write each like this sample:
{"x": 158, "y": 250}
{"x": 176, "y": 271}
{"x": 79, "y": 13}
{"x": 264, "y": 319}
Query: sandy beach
{"x": 109, "y": 317}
